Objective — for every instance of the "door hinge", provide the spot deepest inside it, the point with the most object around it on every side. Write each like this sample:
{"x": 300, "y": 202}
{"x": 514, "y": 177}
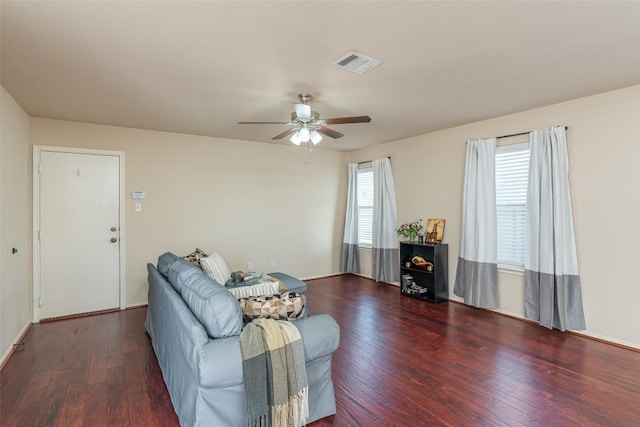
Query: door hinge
{"x": 39, "y": 168}
{"x": 39, "y": 238}
{"x": 39, "y": 301}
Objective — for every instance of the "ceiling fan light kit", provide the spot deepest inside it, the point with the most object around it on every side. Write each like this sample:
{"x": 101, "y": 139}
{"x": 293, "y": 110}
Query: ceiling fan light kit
{"x": 295, "y": 138}
{"x": 306, "y": 124}
{"x": 304, "y": 135}
{"x": 315, "y": 137}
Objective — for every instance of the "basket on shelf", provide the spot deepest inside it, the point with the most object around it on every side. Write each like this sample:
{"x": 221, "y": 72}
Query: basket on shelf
{"x": 421, "y": 263}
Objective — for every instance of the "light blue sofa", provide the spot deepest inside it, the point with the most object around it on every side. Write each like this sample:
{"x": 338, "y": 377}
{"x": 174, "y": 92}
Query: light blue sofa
{"x": 194, "y": 325}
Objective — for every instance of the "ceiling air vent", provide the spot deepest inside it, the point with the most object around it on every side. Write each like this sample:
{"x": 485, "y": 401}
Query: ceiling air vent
{"x": 357, "y": 62}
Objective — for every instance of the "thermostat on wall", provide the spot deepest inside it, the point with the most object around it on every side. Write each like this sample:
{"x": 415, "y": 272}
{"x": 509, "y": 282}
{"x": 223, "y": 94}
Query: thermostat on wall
{"x": 137, "y": 195}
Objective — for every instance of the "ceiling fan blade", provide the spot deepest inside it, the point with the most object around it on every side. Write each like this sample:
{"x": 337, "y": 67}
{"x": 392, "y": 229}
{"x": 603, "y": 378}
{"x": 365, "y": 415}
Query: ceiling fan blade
{"x": 285, "y": 133}
{"x": 330, "y": 132}
{"x": 262, "y": 123}
{"x": 303, "y": 111}
{"x": 343, "y": 120}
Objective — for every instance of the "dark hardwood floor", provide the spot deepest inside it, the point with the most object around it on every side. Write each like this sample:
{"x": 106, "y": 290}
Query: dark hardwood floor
{"x": 400, "y": 362}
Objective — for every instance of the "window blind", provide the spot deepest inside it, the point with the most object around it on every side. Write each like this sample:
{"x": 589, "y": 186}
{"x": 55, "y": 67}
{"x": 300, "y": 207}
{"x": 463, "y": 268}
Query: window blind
{"x": 365, "y": 207}
{"x": 512, "y": 174}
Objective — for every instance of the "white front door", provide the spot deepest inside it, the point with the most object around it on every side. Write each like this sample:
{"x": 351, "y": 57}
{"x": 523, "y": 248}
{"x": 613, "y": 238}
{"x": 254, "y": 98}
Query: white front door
{"x": 79, "y": 233}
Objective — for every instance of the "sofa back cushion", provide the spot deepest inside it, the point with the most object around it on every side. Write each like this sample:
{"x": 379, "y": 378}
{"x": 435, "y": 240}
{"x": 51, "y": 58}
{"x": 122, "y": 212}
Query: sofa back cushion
{"x": 213, "y": 305}
{"x": 165, "y": 261}
{"x": 180, "y": 271}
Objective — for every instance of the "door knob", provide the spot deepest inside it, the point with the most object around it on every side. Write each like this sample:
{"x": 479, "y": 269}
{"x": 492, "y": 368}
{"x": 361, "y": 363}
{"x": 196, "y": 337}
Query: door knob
{"x": 113, "y": 240}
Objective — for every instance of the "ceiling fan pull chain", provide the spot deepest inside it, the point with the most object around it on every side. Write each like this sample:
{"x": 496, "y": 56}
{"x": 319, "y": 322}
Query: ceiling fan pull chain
{"x": 306, "y": 152}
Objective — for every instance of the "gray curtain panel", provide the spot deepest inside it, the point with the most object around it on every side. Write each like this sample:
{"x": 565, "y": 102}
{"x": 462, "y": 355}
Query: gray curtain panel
{"x": 477, "y": 272}
{"x": 350, "y": 253}
{"x": 552, "y": 282}
{"x": 386, "y": 253}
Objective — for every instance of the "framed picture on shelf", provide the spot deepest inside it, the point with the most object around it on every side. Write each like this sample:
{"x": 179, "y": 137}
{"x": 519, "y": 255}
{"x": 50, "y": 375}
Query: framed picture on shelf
{"x": 435, "y": 230}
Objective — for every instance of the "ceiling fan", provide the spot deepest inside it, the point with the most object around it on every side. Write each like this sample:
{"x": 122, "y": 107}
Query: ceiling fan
{"x": 306, "y": 124}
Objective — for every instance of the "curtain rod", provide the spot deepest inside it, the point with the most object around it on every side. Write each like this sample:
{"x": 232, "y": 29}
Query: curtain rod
{"x": 369, "y": 161}
{"x": 519, "y": 134}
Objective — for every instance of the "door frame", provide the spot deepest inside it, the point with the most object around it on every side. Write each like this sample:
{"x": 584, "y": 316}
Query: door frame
{"x": 37, "y": 280}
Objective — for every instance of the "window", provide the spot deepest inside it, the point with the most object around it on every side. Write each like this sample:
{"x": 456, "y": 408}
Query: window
{"x": 365, "y": 207}
{"x": 512, "y": 173}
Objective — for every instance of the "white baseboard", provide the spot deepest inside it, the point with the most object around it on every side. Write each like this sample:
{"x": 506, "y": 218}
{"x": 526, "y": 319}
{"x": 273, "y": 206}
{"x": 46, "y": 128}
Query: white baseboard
{"x": 586, "y": 334}
{"x": 136, "y": 305}
{"x": 10, "y": 350}
{"x": 606, "y": 339}
{"x": 324, "y": 276}
{"x": 341, "y": 274}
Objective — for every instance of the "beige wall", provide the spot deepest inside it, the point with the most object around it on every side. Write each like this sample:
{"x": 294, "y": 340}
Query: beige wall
{"x": 15, "y": 270}
{"x": 604, "y": 153}
{"x": 257, "y": 202}
{"x": 249, "y": 201}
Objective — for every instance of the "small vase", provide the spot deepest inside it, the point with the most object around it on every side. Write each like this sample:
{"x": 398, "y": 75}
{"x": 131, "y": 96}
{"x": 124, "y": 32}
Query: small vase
{"x": 412, "y": 237}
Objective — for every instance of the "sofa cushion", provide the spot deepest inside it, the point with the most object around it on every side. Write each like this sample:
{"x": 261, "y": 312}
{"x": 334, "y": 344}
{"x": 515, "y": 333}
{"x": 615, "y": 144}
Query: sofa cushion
{"x": 180, "y": 271}
{"x": 194, "y": 257}
{"x": 258, "y": 289}
{"x": 215, "y": 267}
{"x": 286, "y": 306}
{"x": 165, "y": 261}
{"x": 213, "y": 306}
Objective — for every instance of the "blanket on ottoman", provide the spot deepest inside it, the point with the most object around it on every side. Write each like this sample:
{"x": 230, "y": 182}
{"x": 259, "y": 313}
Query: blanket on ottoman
{"x": 274, "y": 372}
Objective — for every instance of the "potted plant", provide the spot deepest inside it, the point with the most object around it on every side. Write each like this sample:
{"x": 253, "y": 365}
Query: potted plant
{"x": 411, "y": 230}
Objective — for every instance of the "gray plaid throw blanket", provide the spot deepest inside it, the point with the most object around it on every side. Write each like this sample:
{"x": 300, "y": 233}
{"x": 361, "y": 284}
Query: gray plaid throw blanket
{"x": 275, "y": 376}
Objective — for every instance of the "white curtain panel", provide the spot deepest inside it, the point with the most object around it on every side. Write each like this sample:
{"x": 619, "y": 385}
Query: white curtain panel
{"x": 477, "y": 272}
{"x": 552, "y": 283}
{"x": 350, "y": 254}
{"x": 386, "y": 256}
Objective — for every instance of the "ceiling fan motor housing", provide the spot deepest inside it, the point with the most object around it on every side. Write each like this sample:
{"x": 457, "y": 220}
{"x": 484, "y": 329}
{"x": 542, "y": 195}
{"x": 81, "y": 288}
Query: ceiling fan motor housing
{"x": 314, "y": 118}
{"x": 307, "y": 121}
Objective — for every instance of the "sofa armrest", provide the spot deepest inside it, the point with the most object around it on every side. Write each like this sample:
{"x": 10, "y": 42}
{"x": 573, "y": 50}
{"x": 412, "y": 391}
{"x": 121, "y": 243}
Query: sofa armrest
{"x": 320, "y": 335}
{"x": 221, "y": 363}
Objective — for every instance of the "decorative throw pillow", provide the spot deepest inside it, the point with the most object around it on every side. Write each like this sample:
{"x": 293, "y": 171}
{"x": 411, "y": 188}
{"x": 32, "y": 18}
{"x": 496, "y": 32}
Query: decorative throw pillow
{"x": 260, "y": 288}
{"x": 195, "y": 256}
{"x": 215, "y": 267}
{"x": 286, "y": 306}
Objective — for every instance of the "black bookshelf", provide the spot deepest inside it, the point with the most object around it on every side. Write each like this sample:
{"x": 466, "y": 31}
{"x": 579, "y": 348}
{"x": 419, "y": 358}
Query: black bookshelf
{"x": 429, "y": 281}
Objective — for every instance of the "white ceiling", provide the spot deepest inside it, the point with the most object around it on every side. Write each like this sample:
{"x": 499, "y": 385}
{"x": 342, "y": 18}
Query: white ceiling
{"x": 200, "y": 67}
